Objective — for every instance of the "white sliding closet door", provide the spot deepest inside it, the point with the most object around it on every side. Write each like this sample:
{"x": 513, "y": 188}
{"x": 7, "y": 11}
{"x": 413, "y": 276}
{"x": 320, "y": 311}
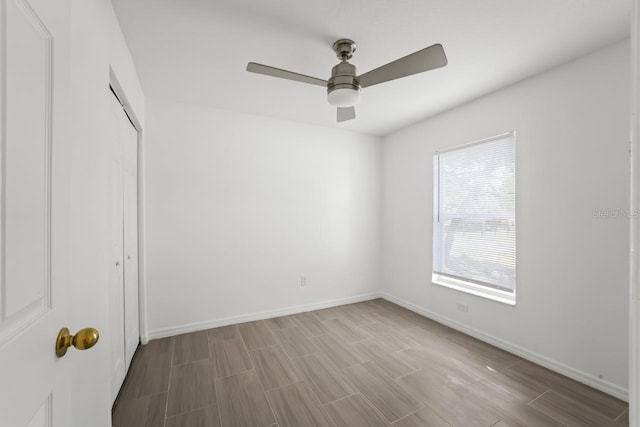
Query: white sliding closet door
{"x": 116, "y": 279}
{"x": 130, "y": 215}
{"x": 125, "y": 333}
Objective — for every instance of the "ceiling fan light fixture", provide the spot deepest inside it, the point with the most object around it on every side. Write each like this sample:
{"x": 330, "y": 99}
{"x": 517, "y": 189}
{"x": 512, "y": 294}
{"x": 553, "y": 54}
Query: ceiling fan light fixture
{"x": 344, "y": 96}
{"x": 343, "y": 87}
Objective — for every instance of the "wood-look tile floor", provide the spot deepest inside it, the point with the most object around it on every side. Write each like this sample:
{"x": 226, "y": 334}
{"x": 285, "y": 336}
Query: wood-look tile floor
{"x": 360, "y": 365}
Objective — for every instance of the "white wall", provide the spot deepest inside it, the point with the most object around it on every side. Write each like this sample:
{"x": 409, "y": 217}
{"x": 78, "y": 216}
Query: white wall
{"x": 634, "y": 282}
{"x": 97, "y": 45}
{"x": 572, "y": 158}
{"x": 238, "y": 207}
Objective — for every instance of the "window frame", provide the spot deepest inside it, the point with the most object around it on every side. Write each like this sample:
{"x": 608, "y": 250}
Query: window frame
{"x": 459, "y": 283}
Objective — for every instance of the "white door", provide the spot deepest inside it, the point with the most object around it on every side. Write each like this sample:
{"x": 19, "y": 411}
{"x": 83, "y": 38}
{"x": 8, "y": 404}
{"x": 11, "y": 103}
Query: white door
{"x": 35, "y": 145}
{"x": 130, "y": 214}
{"x": 125, "y": 331}
{"x": 116, "y": 233}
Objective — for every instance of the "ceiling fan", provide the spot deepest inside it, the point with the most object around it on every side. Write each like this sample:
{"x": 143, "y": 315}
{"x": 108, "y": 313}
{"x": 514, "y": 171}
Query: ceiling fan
{"x": 343, "y": 87}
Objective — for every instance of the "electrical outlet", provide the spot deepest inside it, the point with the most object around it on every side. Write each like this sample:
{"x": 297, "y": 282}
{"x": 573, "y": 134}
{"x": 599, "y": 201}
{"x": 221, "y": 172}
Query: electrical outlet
{"x": 462, "y": 307}
{"x": 303, "y": 280}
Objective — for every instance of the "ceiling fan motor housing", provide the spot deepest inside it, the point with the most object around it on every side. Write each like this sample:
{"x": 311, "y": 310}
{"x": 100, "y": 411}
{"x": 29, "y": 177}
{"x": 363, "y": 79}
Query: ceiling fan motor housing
{"x": 343, "y": 88}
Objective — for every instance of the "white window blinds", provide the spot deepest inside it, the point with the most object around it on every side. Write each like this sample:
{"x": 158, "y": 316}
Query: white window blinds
{"x": 474, "y": 221}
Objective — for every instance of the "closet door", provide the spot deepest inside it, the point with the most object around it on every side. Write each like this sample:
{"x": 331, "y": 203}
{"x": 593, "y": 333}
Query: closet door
{"x": 125, "y": 330}
{"x": 116, "y": 268}
{"x": 130, "y": 215}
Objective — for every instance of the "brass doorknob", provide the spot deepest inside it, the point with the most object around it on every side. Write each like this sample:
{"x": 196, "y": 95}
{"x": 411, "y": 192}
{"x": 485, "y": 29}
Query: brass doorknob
{"x": 83, "y": 340}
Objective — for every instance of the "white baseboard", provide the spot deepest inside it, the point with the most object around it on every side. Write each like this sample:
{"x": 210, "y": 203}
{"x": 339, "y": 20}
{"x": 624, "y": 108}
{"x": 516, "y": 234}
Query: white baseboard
{"x": 199, "y": 326}
{"x": 573, "y": 373}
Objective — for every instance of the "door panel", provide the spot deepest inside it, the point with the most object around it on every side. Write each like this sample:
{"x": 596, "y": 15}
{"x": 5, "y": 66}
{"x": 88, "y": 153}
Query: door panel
{"x": 131, "y": 319}
{"x": 116, "y": 232}
{"x": 26, "y": 179}
{"x": 35, "y": 149}
{"x": 43, "y": 416}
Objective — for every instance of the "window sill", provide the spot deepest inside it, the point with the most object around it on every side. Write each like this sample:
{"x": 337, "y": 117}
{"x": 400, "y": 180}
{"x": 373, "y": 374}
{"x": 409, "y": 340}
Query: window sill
{"x": 471, "y": 288}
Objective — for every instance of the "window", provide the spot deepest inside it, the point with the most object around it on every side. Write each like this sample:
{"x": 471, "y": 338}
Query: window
{"x": 474, "y": 221}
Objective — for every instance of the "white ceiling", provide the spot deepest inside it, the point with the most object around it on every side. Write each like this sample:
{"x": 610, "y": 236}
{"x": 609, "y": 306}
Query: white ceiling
{"x": 196, "y": 51}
